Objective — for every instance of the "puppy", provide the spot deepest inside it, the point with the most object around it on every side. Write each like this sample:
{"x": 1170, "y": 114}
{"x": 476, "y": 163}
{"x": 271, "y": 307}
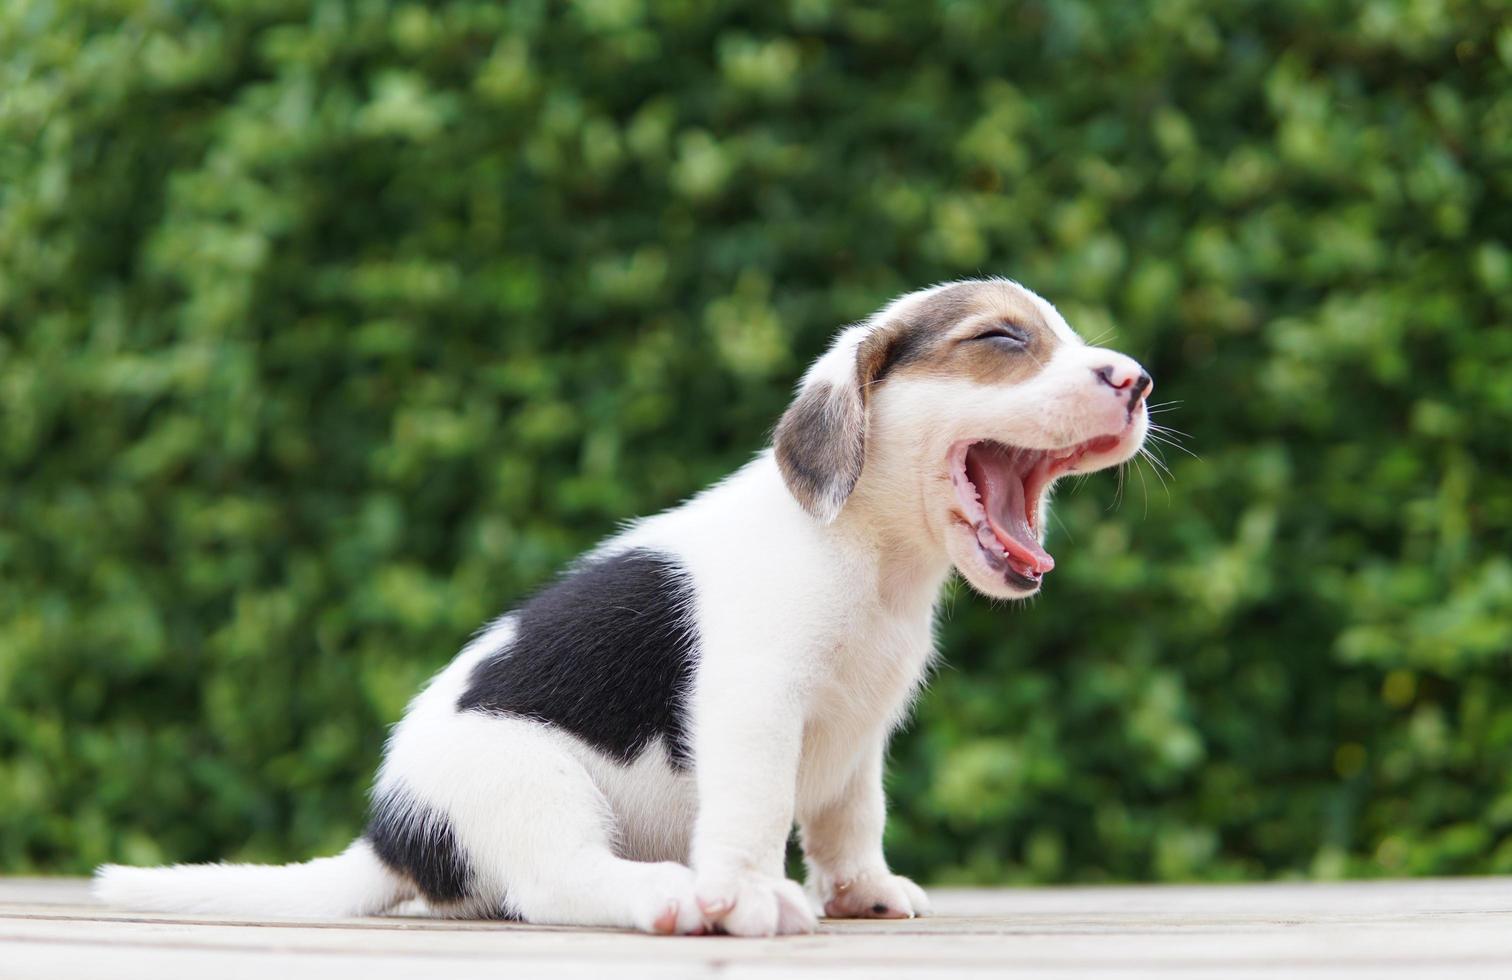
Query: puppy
{"x": 632, "y": 746}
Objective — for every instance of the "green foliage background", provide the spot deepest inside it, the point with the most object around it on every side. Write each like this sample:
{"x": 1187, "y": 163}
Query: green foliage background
{"x": 328, "y": 329}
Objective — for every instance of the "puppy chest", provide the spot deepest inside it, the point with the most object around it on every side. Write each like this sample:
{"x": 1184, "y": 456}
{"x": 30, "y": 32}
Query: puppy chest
{"x": 871, "y": 679}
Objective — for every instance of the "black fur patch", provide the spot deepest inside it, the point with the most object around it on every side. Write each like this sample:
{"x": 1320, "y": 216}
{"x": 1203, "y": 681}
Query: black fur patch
{"x": 606, "y": 653}
{"x": 418, "y": 842}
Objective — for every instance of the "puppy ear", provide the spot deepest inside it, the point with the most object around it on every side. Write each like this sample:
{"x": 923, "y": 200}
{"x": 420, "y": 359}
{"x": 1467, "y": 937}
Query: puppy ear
{"x": 820, "y": 442}
{"x": 821, "y": 445}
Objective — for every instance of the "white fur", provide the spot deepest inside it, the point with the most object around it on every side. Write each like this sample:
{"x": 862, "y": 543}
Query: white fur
{"x": 353, "y": 882}
{"x": 814, "y": 637}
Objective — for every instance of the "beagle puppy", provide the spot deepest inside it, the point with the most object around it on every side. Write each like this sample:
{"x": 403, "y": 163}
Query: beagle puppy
{"x": 632, "y": 746}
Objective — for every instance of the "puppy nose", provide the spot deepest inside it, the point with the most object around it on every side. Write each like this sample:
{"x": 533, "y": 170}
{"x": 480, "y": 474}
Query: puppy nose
{"x": 1126, "y": 377}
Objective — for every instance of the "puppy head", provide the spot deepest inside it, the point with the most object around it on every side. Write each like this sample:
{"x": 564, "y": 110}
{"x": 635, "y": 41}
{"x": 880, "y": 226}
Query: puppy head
{"x": 950, "y": 414}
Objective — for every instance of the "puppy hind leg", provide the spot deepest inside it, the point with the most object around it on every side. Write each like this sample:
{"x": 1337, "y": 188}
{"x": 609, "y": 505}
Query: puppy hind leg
{"x": 593, "y": 887}
{"x": 539, "y": 835}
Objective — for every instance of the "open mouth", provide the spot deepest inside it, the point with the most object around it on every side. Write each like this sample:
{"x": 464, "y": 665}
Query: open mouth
{"x": 999, "y": 488}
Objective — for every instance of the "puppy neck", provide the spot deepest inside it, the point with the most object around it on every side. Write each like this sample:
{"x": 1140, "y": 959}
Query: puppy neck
{"x": 889, "y": 525}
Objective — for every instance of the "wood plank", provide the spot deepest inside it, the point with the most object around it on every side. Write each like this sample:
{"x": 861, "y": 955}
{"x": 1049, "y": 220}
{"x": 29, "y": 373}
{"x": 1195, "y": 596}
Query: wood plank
{"x": 50, "y": 928}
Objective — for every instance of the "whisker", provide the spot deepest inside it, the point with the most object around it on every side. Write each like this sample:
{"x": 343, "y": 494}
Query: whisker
{"x": 1154, "y": 468}
{"x": 1183, "y": 449}
{"x": 1165, "y": 440}
{"x": 1169, "y": 433}
{"x": 1157, "y": 437}
{"x": 1159, "y": 467}
{"x": 1146, "y": 489}
{"x": 1062, "y": 525}
{"x": 1155, "y": 457}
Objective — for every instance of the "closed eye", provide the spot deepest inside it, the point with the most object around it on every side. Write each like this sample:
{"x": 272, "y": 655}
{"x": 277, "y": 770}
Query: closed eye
{"x": 1005, "y": 334}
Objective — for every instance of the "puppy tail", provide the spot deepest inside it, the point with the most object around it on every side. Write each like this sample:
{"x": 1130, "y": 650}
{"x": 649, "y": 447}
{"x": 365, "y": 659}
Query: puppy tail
{"x": 353, "y": 882}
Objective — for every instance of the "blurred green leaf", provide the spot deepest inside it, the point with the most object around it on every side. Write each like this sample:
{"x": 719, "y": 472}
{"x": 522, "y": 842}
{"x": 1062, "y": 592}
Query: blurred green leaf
{"x": 327, "y": 330}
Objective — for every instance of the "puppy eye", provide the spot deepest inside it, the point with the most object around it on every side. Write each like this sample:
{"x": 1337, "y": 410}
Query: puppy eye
{"x": 1007, "y": 334}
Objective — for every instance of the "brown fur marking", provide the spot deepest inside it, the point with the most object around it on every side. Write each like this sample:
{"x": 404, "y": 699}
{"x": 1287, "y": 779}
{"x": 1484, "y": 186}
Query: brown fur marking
{"x": 820, "y": 446}
{"x": 820, "y": 441}
{"x": 936, "y": 339}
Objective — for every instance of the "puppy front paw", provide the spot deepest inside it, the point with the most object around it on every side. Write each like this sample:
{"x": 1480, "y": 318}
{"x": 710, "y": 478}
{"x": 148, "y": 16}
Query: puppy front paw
{"x": 873, "y": 895}
{"x": 744, "y": 903}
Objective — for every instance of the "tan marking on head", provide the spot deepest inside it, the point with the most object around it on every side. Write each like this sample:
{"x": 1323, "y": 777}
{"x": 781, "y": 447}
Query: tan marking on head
{"x": 937, "y": 337}
{"x": 820, "y": 441}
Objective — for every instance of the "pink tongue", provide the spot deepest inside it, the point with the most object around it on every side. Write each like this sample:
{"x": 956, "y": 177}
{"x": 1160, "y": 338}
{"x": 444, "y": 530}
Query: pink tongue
{"x": 1003, "y": 499}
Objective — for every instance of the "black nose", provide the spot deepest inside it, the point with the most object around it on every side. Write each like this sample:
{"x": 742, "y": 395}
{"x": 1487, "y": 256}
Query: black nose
{"x": 1137, "y": 387}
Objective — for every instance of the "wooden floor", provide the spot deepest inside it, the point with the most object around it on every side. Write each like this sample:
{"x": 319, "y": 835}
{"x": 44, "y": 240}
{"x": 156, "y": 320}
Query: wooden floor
{"x": 1445, "y": 928}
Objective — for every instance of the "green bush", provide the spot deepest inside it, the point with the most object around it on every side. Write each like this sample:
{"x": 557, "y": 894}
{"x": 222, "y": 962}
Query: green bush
{"x": 328, "y": 329}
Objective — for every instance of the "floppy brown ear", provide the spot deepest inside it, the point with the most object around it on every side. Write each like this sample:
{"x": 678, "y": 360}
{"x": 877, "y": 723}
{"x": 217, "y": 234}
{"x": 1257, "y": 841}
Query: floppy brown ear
{"x": 821, "y": 445}
{"x": 820, "y": 442}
